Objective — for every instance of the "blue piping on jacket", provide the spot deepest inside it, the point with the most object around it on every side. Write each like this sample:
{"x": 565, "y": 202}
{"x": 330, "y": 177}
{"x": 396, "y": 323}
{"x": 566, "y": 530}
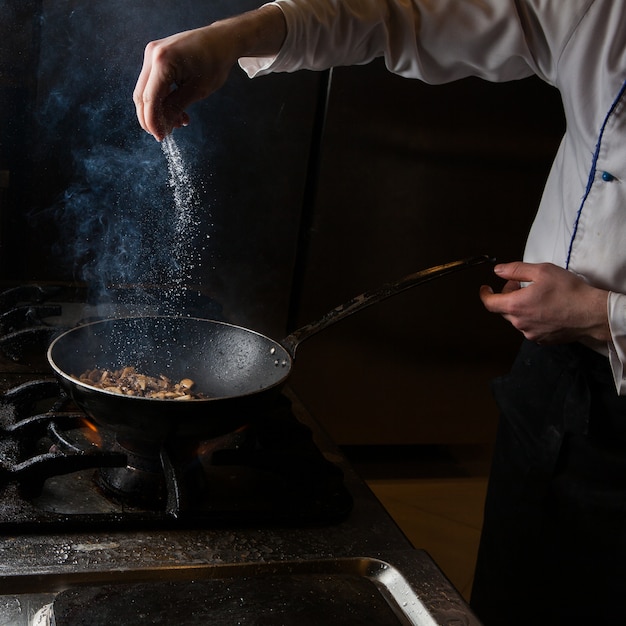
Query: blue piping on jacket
{"x": 592, "y": 173}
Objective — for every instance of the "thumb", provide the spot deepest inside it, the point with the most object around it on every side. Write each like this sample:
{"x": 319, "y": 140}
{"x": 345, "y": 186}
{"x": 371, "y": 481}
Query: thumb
{"x": 516, "y": 271}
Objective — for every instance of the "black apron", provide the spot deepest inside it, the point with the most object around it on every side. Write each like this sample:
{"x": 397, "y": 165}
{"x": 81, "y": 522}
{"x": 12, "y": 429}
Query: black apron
{"x": 553, "y": 546}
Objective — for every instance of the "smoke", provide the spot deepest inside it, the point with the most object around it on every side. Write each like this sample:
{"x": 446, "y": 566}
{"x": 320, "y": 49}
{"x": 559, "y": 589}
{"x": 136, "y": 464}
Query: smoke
{"x": 91, "y": 196}
{"x": 116, "y": 210}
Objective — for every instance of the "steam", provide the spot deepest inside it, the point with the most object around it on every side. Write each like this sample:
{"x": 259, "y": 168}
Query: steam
{"x": 128, "y": 209}
{"x": 92, "y": 192}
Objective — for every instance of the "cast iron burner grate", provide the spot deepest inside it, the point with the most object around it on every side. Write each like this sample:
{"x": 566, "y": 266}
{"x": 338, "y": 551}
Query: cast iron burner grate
{"x": 51, "y": 473}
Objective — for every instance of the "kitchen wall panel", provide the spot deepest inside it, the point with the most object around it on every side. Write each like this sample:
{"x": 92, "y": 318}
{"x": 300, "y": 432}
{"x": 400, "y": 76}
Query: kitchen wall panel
{"x": 414, "y": 175}
{"x": 89, "y": 197}
{"x": 410, "y": 176}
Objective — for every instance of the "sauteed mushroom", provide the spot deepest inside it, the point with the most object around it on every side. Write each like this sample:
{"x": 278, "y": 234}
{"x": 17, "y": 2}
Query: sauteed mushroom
{"x": 129, "y": 382}
{"x": 238, "y": 370}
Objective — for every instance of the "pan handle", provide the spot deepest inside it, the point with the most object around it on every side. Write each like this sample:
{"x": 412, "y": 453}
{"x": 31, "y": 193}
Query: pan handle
{"x": 358, "y": 303}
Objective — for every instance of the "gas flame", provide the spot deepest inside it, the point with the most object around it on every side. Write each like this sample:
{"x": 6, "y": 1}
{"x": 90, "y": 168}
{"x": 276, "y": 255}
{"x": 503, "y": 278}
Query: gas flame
{"x": 91, "y": 433}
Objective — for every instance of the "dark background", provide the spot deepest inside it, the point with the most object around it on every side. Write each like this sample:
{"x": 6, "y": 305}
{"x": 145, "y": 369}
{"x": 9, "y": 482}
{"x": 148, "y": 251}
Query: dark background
{"x": 89, "y": 197}
{"x": 409, "y": 175}
{"x": 414, "y": 175}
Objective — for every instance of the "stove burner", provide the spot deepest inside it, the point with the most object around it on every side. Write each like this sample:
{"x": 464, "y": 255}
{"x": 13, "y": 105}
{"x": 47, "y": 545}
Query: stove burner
{"x": 55, "y": 470}
{"x": 140, "y": 481}
{"x": 151, "y": 472}
{"x": 25, "y": 329}
{"x": 55, "y": 476}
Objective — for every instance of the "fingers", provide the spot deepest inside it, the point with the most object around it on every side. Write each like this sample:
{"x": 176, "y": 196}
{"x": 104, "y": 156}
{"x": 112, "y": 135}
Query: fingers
{"x": 153, "y": 97}
{"x": 517, "y": 271}
{"x": 140, "y": 89}
{"x": 149, "y": 93}
{"x": 180, "y": 70}
{"x": 556, "y": 306}
{"x": 157, "y": 112}
{"x": 490, "y": 299}
{"x": 499, "y": 302}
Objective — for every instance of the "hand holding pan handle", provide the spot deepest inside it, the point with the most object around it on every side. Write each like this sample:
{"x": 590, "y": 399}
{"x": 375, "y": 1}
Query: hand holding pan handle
{"x": 360, "y": 302}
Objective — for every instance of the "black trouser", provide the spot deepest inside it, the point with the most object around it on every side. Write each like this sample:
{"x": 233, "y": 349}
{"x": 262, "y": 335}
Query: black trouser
{"x": 553, "y": 547}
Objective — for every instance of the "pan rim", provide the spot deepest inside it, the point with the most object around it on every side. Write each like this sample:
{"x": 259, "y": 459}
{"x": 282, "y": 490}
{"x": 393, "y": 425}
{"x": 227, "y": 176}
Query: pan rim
{"x": 287, "y": 358}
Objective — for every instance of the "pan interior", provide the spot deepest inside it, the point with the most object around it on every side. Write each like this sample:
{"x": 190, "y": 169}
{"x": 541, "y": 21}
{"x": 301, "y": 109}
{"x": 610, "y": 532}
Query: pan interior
{"x": 223, "y": 360}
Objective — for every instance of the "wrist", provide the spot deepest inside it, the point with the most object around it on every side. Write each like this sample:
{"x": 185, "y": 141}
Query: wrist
{"x": 258, "y": 33}
{"x": 599, "y": 329}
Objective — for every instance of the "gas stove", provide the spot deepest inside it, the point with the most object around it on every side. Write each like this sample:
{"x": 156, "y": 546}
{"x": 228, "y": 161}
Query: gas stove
{"x": 267, "y": 524}
{"x": 58, "y": 472}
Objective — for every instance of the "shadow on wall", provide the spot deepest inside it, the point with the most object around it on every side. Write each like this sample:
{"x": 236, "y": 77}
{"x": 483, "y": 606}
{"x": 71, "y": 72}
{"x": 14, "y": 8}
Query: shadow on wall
{"x": 412, "y": 176}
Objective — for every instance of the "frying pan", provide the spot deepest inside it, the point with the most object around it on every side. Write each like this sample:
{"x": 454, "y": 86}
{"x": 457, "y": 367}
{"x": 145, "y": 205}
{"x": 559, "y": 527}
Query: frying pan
{"x": 238, "y": 368}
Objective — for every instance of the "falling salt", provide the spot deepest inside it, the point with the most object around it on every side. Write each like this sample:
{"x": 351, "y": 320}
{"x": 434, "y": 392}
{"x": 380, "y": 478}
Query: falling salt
{"x": 185, "y": 195}
{"x": 186, "y": 201}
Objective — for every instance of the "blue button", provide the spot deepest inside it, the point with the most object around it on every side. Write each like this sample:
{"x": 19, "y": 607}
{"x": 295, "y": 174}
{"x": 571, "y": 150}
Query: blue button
{"x": 607, "y": 177}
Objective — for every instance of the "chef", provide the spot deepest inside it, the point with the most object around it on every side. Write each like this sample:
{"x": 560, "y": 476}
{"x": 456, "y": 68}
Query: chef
{"x": 553, "y": 548}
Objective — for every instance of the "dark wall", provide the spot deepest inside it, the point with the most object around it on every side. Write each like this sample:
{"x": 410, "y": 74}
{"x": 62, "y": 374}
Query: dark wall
{"x": 412, "y": 176}
{"x": 89, "y": 195}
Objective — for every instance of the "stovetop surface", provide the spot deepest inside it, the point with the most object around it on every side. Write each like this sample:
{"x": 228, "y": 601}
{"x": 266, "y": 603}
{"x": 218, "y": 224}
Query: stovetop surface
{"x": 51, "y": 558}
{"x": 274, "y": 474}
{"x": 358, "y": 549}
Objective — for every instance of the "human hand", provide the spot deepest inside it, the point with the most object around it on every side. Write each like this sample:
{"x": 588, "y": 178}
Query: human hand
{"x": 556, "y": 306}
{"x": 189, "y": 66}
{"x": 178, "y": 71}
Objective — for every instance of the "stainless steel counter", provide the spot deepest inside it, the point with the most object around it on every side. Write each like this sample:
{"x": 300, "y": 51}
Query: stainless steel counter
{"x": 367, "y": 546}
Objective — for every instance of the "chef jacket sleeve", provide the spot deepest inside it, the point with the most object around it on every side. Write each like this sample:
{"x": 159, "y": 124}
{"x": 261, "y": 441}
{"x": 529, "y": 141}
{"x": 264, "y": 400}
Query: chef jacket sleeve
{"x": 617, "y": 344}
{"x": 436, "y": 42}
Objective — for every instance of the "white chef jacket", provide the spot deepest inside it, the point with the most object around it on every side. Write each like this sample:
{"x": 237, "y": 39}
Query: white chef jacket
{"x": 578, "y": 46}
